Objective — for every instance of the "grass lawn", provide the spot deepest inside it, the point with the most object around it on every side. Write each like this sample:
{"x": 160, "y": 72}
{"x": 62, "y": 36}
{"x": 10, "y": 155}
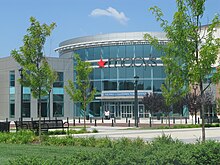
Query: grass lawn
{"x": 13, "y": 151}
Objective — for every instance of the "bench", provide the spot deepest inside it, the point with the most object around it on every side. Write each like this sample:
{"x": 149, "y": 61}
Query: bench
{"x": 51, "y": 124}
{"x": 45, "y": 125}
{"x": 24, "y": 125}
{"x": 5, "y": 126}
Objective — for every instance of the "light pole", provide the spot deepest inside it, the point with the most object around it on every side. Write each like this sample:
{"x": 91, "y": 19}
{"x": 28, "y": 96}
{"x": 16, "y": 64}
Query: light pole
{"x": 195, "y": 87}
{"x": 21, "y": 74}
{"x": 136, "y": 101}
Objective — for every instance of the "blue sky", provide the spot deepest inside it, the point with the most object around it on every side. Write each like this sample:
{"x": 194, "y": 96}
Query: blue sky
{"x": 76, "y": 18}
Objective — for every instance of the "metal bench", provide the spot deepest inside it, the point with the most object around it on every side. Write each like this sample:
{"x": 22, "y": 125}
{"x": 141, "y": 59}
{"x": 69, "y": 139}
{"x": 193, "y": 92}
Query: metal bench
{"x": 45, "y": 125}
{"x": 23, "y": 125}
{"x": 5, "y": 126}
{"x": 52, "y": 124}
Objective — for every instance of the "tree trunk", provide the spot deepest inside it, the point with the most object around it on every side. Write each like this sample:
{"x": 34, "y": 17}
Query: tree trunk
{"x": 39, "y": 109}
{"x": 202, "y": 112}
{"x": 84, "y": 112}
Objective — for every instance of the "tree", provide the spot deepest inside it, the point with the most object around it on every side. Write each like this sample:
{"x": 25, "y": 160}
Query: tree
{"x": 38, "y": 75}
{"x": 154, "y": 103}
{"x": 81, "y": 91}
{"x": 189, "y": 54}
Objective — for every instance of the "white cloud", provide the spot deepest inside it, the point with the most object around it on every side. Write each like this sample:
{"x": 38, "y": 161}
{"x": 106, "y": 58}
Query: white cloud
{"x": 111, "y": 12}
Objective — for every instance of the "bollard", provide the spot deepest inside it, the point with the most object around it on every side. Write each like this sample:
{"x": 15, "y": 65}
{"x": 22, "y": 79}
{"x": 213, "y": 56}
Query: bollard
{"x": 173, "y": 120}
{"x": 112, "y": 123}
{"x": 198, "y": 120}
{"x": 79, "y": 119}
{"x": 95, "y": 123}
{"x": 150, "y": 122}
{"x": 185, "y": 120}
{"x": 161, "y": 120}
{"x": 129, "y": 123}
{"x": 102, "y": 120}
{"x": 74, "y": 122}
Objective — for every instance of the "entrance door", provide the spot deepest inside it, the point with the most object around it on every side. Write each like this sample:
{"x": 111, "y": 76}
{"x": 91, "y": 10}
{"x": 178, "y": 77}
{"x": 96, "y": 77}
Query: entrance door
{"x": 112, "y": 111}
{"x": 141, "y": 111}
{"x": 126, "y": 110}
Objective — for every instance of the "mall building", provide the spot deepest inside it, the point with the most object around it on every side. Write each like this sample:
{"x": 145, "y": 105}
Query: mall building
{"x": 116, "y": 60}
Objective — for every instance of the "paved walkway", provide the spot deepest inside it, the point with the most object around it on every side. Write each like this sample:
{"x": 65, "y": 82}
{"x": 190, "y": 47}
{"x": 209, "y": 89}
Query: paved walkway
{"x": 190, "y": 135}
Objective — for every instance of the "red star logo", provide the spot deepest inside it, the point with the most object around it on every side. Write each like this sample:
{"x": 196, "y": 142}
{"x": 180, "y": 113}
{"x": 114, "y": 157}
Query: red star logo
{"x": 101, "y": 63}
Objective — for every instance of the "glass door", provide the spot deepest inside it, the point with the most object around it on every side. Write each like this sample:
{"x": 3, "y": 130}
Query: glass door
{"x": 126, "y": 110}
{"x": 112, "y": 111}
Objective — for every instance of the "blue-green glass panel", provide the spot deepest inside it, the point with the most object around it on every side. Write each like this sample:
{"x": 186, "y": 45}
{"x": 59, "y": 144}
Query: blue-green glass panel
{"x": 114, "y": 51}
{"x": 157, "y": 85}
{"x": 58, "y": 91}
{"x": 97, "y": 86}
{"x": 97, "y": 73}
{"x": 113, "y": 73}
{"x": 12, "y": 97}
{"x": 12, "y": 90}
{"x": 129, "y": 51}
{"x": 159, "y": 72}
{"x": 26, "y": 90}
{"x": 139, "y": 51}
{"x": 106, "y": 72}
{"x": 147, "y": 85}
{"x": 105, "y": 52}
{"x": 121, "y": 51}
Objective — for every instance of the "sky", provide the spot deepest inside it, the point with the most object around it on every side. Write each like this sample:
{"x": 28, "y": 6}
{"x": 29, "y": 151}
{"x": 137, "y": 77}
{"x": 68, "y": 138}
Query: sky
{"x": 78, "y": 18}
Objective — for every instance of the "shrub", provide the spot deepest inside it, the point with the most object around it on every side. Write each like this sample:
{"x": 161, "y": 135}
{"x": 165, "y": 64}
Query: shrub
{"x": 20, "y": 137}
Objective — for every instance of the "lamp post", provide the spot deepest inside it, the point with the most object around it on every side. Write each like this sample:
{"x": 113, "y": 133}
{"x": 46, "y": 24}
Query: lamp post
{"x": 195, "y": 87}
{"x": 21, "y": 74}
{"x": 135, "y": 101}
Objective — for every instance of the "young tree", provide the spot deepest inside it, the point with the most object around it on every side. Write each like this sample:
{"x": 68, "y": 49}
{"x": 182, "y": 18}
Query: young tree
{"x": 190, "y": 53}
{"x": 80, "y": 92}
{"x": 154, "y": 103}
{"x": 38, "y": 75}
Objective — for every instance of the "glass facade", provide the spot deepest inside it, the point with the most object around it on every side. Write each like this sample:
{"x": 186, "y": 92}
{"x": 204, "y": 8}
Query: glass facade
{"x": 117, "y": 77}
{"x": 58, "y": 96}
{"x": 12, "y": 94}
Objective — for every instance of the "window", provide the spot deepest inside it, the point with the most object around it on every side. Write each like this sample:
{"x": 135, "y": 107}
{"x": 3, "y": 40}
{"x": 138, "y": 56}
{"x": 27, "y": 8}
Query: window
{"x": 58, "y": 105}
{"x": 12, "y": 94}
{"x": 129, "y": 51}
{"x": 110, "y": 85}
{"x": 26, "y": 105}
{"x": 12, "y": 78}
{"x": 59, "y": 81}
{"x": 157, "y": 85}
{"x": 12, "y": 109}
{"x": 159, "y": 72}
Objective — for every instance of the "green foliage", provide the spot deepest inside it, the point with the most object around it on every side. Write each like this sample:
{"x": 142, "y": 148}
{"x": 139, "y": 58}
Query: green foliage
{"x": 95, "y": 131}
{"x": 162, "y": 150}
{"x": 81, "y": 92}
{"x": 20, "y": 137}
{"x": 189, "y": 56}
{"x": 38, "y": 75}
{"x": 206, "y": 153}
